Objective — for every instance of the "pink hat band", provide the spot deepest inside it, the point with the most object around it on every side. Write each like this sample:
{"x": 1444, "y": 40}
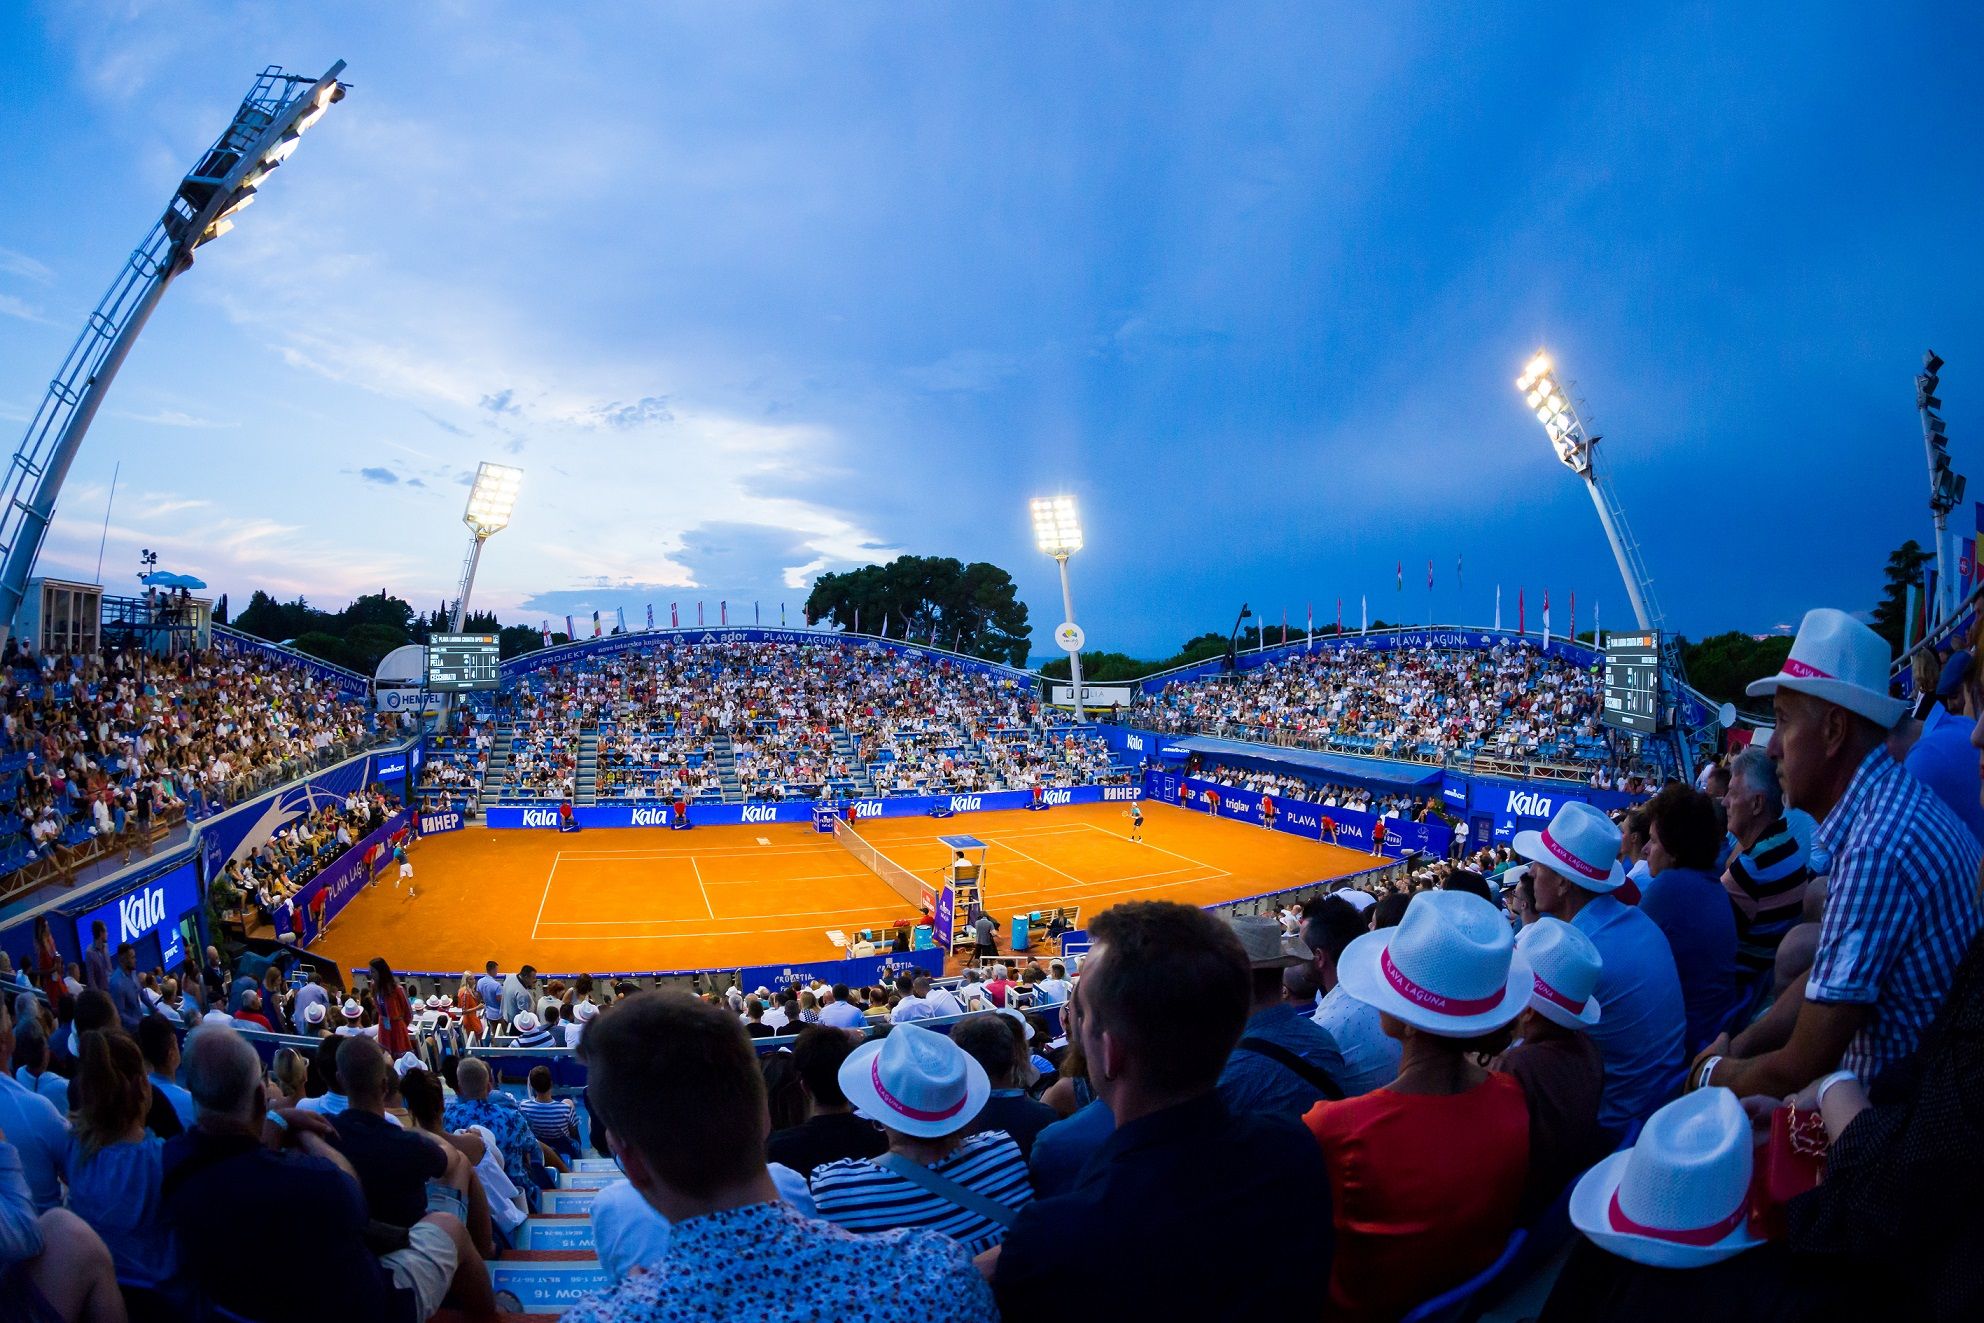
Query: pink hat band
{"x": 914, "y": 1114}
{"x": 1420, "y": 995}
{"x": 1803, "y": 670}
{"x": 1698, "y": 1236}
{"x": 1571, "y": 861}
{"x": 1556, "y": 998}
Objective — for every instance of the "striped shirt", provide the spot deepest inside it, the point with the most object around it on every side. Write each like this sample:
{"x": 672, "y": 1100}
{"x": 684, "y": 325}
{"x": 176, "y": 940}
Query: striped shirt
{"x": 551, "y": 1120}
{"x": 1767, "y": 883}
{"x": 1901, "y": 907}
{"x": 856, "y": 1194}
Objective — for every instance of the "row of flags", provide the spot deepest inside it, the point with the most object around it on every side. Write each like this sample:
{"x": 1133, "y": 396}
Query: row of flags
{"x": 1364, "y": 614}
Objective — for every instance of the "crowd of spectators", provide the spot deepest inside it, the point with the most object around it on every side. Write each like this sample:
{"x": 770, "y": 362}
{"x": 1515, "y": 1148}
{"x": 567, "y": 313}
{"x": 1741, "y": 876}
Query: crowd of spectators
{"x": 1313, "y": 790}
{"x": 453, "y": 765}
{"x": 96, "y": 751}
{"x": 1509, "y": 700}
{"x": 257, "y": 883}
{"x": 764, "y": 721}
{"x": 1746, "y": 1107}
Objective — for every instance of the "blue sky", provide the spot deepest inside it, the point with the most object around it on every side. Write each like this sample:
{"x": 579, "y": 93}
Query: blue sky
{"x": 753, "y": 291}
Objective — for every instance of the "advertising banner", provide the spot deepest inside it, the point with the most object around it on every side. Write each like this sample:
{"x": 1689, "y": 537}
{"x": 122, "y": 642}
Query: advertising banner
{"x": 864, "y": 971}
{"x": 152, "y": 911}
{"x": 617, "y": 643}
{"x": 240, "y": 831}
{"x": 343, "y": 879}
{"x": 1298, "y": 817}
{"x": 944, "y": 917}
{"x": 800, "y": 810}
{"x": 349, "y": 683}
{"x": 440, "y": 821}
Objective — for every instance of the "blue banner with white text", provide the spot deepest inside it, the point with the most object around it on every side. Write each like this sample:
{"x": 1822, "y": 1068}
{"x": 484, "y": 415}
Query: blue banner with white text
{"x": 1337, "y": 826}
{"x": 801, "y": 810}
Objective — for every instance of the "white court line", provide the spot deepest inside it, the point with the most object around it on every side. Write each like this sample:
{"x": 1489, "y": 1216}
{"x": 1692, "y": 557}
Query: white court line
{"x": 995, "y": 840}
{"x": 546, "y": 896}
{"x": 784, "y": 914}
{"x": 700, "y": 887}
{"x": 766, "y": 881}
{"x": 1197, "y": 863}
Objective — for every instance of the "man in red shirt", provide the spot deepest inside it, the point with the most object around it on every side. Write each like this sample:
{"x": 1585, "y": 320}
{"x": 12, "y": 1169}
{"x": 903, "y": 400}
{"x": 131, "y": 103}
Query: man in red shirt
{"x": 1212, "y": 801}
{"x": 1378, "y": 836}
{"x": 1267, "y": 812}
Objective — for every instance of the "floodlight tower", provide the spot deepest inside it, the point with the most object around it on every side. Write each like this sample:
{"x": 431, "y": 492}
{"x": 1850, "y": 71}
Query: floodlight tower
{"x": 490, "y": 502}
{"x": 1057, "y": 530}
{"x": 1945, "y": 484}
{"x": 1577, "y": 450}
{"x": 270, "y": 121}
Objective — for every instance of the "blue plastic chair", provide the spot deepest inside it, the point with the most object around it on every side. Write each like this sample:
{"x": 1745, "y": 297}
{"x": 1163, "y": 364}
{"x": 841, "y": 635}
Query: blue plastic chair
{"x": 1458, "y": 1304}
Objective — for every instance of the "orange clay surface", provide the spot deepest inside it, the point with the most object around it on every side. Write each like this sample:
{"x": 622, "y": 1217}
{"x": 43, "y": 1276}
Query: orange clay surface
{"x": 722, "y": 897}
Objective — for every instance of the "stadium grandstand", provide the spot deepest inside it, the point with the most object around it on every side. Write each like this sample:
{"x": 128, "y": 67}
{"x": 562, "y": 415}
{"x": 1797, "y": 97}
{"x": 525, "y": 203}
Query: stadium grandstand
{"x": 780, "y": 974}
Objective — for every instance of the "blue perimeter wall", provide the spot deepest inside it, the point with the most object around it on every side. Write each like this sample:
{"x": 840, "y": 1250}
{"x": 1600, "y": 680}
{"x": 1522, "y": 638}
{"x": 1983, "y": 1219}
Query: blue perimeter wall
{"x": 801, "y": 810}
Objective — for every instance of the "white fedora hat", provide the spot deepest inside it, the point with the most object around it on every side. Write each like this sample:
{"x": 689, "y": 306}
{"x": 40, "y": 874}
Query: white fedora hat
{"x": 1680, "y": 1197}
{"x": 1266, "y": 947}
{"x": 1566, "y": 967}
{"x": 917, "y": 1081}
{"x": 1581, "y": 843}
{"x": 524, "y": 1022}
{"x": 1840, "y": 660}
{"x": 1450, "y": 967}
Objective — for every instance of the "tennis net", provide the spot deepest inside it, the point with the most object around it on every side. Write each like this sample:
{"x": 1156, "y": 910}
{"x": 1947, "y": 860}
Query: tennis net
{"x": 905, "y": 883}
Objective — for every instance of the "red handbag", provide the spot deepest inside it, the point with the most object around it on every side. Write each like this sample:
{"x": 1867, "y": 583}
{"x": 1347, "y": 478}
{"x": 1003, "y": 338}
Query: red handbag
{"x": 1788, "y": 1164}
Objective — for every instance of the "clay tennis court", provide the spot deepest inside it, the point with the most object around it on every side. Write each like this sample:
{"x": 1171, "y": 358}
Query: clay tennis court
{"x": 723, "y": 897}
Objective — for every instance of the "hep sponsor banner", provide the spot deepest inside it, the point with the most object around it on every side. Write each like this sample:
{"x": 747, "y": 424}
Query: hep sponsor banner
{"x": 862, "y": 970}
{"x": 1401, "y": 640}
{"x": 445, "y": 820}
{"x": 590, "y": 649}
{"x": 801, "y": 810}
{"x": 343, "y": 879}
{"x": 1301, "y": 818}
{"x": 151, "y": 910}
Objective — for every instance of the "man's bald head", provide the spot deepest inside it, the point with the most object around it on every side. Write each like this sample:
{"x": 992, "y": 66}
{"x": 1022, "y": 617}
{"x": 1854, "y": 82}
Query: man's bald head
{"x": 362, "y": 1069}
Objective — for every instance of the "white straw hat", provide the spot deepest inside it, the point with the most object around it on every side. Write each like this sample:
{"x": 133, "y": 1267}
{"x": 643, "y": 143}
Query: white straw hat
{"x": 1566, "y": 967}
{"x": 351, "y": 1010}
{"x": 916, "y": 1081}
{"x": 524, "y": 1022}
{"x": 314, "y": 1013}
{"x": 1840, "y": 660}
{"x": 1581, "y": 843}
{"x": 1679, "y": 1198}
{"x": 1450, "y": 967}
{"x": 584, "y": 1011}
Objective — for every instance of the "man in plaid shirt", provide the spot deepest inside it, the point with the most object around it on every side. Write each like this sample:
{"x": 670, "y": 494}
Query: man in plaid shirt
{"x": 1902, "y": 900}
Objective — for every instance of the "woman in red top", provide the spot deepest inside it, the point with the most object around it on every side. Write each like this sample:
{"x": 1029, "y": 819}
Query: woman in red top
{"x": 395, "y": 1015}
{"x": 1427, "y": 1172}
{"x": 48, "y": 964}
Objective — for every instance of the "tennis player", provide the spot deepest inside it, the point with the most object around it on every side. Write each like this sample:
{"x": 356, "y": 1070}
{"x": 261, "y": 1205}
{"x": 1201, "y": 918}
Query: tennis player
{"x": 1135, "y": 813}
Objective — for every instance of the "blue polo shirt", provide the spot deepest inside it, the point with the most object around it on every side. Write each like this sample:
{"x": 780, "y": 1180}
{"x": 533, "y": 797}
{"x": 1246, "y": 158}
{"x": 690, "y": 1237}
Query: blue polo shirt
{"x": 1254, "y": 1083}
{"x": 1944, "y": 761}
{"x": 1644, "y": 1018}
{"x": 33, "y": 1126}
{"x": 1061, "y": 1152}
{"x": 1693, "y": 909}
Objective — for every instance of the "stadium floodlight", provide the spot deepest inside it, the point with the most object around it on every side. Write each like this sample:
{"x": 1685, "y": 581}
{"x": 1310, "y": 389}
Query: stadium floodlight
{"x": 492, "y": 498}
{"x": 1057, "y": 530}
{"x": 490, "y": 501}
{"x": 1946, "y": 485}
{"x": 279, "y": 108}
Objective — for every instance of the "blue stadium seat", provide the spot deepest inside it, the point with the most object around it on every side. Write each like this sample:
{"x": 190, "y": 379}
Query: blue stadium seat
{"x": 1462, "y": 1301}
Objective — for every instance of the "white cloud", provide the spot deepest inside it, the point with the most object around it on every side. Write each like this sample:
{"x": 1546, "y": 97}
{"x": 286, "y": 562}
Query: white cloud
{"x": 25, "y": 267}
{"x": 11, "y": 306}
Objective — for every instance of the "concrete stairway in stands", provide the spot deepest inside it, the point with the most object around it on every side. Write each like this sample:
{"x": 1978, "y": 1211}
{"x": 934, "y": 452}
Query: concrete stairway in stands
{"x": 724, "y": 754}
{"x": 585, "y": 781}
{"x": 554, "y": 1264}
{"x": 497, "y": 770}
{"x": 845, "y": 752}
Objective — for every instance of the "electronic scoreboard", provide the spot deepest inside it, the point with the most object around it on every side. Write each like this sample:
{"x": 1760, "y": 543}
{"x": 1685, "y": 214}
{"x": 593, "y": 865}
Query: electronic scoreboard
{"x": 1632, "y": 682}
{"x": 458, "y": 662}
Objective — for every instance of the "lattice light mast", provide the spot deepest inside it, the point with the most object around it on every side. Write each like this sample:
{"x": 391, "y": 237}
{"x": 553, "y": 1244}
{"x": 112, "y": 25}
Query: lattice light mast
{"x": 490, "y": 502}
{"x": 278, "y": 110}
{"x": 1577, "y": 449}
{"x": 1057, "y": 530}
{"x": 1946, "y": 485}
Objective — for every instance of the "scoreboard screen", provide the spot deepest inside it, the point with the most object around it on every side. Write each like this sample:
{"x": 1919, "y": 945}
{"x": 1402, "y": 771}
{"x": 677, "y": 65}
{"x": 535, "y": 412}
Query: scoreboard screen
{"x": 456, "y": 662}
{"x": 1632, "y": 682}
